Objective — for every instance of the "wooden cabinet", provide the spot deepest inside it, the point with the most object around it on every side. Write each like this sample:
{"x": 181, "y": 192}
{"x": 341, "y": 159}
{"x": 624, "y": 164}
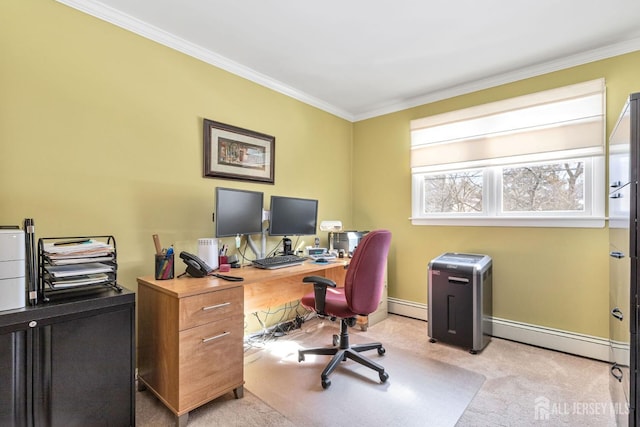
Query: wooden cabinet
{"x": 190, "y": 341}
{"x": 69, "y": 363}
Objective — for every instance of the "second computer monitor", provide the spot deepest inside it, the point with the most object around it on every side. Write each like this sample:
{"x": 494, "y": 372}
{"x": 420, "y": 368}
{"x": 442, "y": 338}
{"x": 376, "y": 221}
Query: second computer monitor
{"x": 292, "y": 216}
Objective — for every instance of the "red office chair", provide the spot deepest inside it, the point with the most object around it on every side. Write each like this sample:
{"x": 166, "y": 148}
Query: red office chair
{"x": 363, "y": 287}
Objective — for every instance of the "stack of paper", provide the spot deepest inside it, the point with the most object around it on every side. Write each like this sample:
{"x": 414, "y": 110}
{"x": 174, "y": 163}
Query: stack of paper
{"x": 63, "y": 253}
{"x": 78, "y": 263}
{"x": 74, "y": 281}
{"x": 79, "y": 269}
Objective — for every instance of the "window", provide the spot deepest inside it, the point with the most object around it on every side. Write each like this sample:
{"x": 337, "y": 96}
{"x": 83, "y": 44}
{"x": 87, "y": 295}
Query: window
{"x": 547, "y": 187}
{"x": 453, "y": 192}
{"x": 536, "y": 160}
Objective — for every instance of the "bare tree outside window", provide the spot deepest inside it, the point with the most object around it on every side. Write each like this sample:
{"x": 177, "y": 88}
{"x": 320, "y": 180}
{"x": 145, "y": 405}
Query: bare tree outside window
{"x": 453, "y": 192}
{"x": 548, "y": 187}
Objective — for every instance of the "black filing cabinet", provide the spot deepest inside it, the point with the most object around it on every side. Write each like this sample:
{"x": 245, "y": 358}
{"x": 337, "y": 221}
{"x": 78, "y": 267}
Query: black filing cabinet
{"x": 460, "y": 300}
{"x": 69, "y": 363}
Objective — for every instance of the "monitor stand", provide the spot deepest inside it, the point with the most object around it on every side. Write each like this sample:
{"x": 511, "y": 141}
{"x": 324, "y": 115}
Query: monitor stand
{"x": 259, "y": 254}
{"x": 252, "y": 246}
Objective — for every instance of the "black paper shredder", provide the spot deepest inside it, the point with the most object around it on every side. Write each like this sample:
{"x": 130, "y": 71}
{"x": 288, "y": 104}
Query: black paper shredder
{"x": 460, "y": 300}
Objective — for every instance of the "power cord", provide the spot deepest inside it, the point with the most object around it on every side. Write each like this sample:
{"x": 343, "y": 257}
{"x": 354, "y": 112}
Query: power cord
{"x": 281, "y": 328}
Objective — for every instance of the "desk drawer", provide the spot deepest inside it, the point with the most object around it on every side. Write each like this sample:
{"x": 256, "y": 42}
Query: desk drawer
{"x": 211, "y": 360}
{"x": 204, "y": 308}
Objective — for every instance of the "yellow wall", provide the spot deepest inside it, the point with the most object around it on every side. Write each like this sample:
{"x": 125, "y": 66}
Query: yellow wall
{"x": 545, "y": 276}
{"x": 101, "y": 133}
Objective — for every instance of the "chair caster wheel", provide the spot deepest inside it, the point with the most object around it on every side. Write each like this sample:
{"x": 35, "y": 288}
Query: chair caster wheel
{"x": 326, "y": 384}
{"x": 336, "y": 340}
{"x": 300, "y": 357}
{"x": 381, "y": 351}
{"x": 384, "y": 377}
{"x": 431, "y": 340}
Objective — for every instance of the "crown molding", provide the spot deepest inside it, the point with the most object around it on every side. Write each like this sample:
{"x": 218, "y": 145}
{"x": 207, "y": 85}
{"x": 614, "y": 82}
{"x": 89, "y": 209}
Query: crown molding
{"x": 605, "y": 52}
{"x": 144, "y": 29}
{"x": 127, "y": 22}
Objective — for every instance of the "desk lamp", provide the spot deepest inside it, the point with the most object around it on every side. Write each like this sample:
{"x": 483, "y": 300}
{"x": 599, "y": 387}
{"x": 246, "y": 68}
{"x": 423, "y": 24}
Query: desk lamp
{"x": 331, "y": 227}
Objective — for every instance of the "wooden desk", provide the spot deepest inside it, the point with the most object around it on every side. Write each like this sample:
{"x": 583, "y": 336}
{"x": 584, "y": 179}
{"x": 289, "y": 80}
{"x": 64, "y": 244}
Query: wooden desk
{"x": 262, "y": 288}
{"x": 190, "y": 330}
{"x": 265, "y": 289}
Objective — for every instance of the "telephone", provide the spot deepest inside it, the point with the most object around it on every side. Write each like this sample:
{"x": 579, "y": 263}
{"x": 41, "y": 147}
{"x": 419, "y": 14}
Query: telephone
{"x": 195, "y": 266}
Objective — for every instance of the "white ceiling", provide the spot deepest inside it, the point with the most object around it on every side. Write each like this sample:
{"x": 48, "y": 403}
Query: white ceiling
{"x": 362, "y": 58}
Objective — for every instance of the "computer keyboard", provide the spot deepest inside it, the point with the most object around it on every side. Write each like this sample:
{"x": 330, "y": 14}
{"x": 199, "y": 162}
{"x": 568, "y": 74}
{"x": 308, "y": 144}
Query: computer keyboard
{"x": 278, "y": 262}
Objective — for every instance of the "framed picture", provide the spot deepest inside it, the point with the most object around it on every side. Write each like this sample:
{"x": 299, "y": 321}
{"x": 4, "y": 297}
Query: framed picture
{"x": 234, "y": 153}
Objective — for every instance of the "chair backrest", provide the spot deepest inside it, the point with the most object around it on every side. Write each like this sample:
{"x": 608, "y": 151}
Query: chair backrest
{"x": 364, "y": 282}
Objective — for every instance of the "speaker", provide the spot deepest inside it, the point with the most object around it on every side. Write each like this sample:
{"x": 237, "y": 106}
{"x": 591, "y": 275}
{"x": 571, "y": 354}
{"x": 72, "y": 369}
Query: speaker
{"x": 208, "y": 252}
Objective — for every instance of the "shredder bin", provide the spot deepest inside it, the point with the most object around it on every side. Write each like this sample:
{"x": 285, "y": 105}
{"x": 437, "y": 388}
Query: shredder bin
{"x": 460, "y": 300}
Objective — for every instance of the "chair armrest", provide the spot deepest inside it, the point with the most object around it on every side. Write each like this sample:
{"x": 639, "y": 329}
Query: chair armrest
{"x": 320, "y": 285}
{"x": 320, "y": 280}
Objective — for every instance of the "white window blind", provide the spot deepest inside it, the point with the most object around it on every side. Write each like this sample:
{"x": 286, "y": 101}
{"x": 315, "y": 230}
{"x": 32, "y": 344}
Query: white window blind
{"x": 568, "y": 119}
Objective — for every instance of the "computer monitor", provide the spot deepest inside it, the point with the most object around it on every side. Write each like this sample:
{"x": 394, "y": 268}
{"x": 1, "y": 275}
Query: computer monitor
{"x": 238, "y": 212}
{"x": 292, "y": 216}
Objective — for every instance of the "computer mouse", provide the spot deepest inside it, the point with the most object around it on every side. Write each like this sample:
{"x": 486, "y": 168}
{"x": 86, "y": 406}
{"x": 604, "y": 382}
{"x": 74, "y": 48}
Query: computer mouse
{"x": 322, "y": 260}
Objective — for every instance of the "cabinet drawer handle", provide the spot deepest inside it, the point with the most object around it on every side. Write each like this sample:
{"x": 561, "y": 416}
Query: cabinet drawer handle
{"x": 617, "y": 313}
{"x": 616, "y": 372}
{"x": 616, "y": 254}
{"x": 211, "y": 307}
{"x": 206, "y": 340}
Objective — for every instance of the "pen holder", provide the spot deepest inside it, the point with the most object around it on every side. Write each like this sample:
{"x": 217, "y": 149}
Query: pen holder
{"x": 164, "y": 266}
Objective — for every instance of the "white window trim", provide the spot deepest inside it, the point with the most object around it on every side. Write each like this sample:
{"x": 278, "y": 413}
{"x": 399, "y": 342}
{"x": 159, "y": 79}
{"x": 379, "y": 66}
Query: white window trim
{"x": 513, "y": 222}
{"x": 490, "y": 217}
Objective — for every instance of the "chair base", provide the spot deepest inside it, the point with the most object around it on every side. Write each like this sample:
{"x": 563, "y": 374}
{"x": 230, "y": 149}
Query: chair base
{"x": 343, "y": 351}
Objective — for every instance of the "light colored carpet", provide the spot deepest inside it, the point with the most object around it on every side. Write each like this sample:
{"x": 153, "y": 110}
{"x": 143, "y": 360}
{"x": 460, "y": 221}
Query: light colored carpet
{"x": 517, "y": 375}
{"x": 419, "y": 392}
{"x": 225, "y": 411}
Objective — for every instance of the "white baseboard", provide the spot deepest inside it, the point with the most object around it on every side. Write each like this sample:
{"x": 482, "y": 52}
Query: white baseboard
{"x": 407, "y": 308}
{"x": 621, "y": 350}
{"x": 554, "y": 339}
